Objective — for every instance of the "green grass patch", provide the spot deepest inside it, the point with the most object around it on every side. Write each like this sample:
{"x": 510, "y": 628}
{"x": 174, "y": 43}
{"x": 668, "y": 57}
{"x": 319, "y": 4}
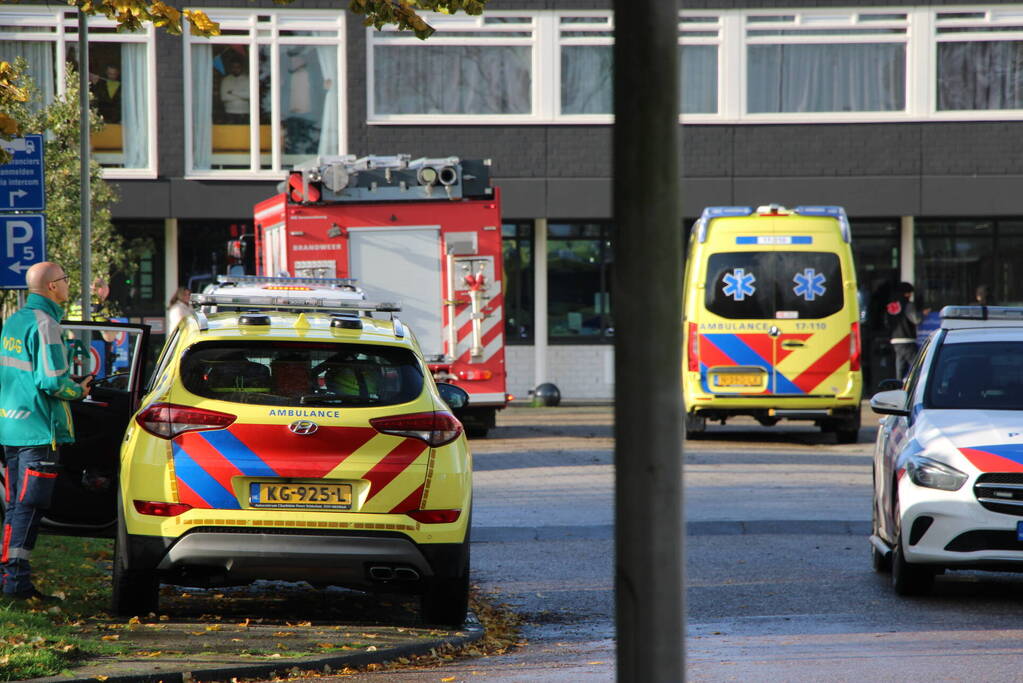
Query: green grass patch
{"x": 42, "y": 640}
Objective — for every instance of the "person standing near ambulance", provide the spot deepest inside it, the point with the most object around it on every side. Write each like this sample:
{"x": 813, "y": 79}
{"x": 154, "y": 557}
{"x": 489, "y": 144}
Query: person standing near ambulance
{"x": 35, "y": 420}
{"x": 901, "y": 318}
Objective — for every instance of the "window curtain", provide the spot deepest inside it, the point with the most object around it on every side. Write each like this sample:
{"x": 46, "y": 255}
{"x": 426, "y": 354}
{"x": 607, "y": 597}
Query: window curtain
{"x": 457, "y": 79}
{"x": 327, "y": 56}
{"x": 698, "y": 74}
{"x": 134, "y": 105}
{"x": 202, "y": 106}
{"x": 826, "y": 78}
{"x": 39, "y": 56}
{"x": 980, "y": 75}
{"x": 586, "y": 73}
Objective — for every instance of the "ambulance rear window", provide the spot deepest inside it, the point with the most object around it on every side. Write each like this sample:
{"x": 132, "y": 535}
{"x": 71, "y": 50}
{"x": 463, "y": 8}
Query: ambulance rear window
{"x": 302, "y": 374}
{"x": 773, "y": 284}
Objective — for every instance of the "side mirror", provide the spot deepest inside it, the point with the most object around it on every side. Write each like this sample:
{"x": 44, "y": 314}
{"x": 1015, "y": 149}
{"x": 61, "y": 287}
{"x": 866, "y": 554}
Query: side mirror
{"x": 456, "y": 397}
{"x": 890, "y": 403}
{"x": 889, "y": 385}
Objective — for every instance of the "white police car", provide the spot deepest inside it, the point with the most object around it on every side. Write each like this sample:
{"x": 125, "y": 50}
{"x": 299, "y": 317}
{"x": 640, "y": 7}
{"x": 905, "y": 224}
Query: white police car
{"x": 948, "y": 463}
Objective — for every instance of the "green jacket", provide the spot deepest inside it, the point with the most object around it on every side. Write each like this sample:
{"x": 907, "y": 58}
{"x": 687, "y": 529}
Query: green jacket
{"x": 34, "y": 377}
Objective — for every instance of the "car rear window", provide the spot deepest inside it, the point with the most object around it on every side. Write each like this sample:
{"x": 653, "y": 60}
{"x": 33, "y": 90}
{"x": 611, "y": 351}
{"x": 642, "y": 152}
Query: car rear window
{"x": 300, "y": 373}
{"x": 981, "y": 376}
{"x": 773, "y": 284}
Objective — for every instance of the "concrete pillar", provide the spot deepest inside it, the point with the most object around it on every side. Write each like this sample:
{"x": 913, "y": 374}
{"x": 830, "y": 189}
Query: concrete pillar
{"x": 540, "y": 301}
{"x": 170, "y": 257}
{"x": 907, "y": 257}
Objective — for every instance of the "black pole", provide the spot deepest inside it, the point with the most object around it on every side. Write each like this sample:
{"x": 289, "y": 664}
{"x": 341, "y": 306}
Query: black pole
{"x": 648, "y": 343}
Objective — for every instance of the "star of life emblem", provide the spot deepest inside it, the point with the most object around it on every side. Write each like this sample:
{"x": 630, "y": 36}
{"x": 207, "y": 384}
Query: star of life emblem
{"x": 809, "y": 284}
{"x": 739, "y": 284}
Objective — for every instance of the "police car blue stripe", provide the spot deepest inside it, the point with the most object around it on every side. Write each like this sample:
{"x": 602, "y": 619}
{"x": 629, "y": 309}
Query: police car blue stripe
{"x": 1009, "y": 451}
{"x": 742, "y": 354}
{"x": 200, "y": 481}
{"x": 238, "y": 454}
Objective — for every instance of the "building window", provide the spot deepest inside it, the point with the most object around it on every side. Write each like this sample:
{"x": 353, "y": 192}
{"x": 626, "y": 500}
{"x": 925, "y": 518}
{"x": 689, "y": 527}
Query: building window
{"x": 816, "y": 63}
{"x": 517, "y": 245}
{"x": 120, "y": 75}
{"x": 980, "y": 60}
{"x": 265, "y": 94}
{"x": 474, "y": 67}
{"x": 579, "y": 267}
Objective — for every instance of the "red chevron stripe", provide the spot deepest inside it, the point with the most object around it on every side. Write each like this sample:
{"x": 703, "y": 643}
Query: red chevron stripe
{"x": 989, "y": 462}
{"x": 293, "y": 455}
{"x": 393, "y": 464}
{"x": 711, "y": 355}
{"x": 208, "y": 458}
{"x": 824, "y": 367}
{"x": 413, "y": 502}
{"x": 187, "y": 495}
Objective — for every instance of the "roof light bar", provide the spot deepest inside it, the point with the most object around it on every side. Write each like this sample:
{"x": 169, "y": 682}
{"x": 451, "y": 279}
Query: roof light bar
{"x": 285, "y": 281}
{"x": 286, "y": 303}
{"x": 717, "y": 212}
{"x": 832, "y": 212}
{"x": 982, "y": 313}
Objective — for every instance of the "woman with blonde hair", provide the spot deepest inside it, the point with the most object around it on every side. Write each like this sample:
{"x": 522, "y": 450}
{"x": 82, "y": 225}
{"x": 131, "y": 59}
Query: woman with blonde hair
{"x": 178, "y": 308}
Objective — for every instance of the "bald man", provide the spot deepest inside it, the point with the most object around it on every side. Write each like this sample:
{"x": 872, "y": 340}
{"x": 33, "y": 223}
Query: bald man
{"x": 35, "y": 387}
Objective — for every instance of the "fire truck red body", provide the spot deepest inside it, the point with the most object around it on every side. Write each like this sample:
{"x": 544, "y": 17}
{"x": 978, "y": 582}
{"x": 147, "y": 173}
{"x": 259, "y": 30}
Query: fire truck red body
{"x": 425, "y": 233}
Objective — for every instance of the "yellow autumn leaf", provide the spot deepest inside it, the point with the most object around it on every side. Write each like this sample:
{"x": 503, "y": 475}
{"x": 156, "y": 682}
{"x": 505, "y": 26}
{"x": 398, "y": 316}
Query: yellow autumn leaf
{"x": 113, "y": 637}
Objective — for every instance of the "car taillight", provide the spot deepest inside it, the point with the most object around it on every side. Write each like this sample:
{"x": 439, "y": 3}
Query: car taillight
{"x": 160, "y": 509}
{"x": 167, "y": 420}
{"x": 694, "y": 349}
{"x": 434, "y": 516}
{"x": 475, "y": 374}
{"x": 855, "y": 355}
{"x": 436, "y": 429}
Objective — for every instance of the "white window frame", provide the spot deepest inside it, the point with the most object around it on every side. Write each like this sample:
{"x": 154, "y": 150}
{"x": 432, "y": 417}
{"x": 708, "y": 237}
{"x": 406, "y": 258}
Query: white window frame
{"x": 994, "y": 26}
{"x": 243, "y": 26}
{"x": 920, "y": 33}
{"x": 461, "y": 22}
{"x": 64, "y": 32}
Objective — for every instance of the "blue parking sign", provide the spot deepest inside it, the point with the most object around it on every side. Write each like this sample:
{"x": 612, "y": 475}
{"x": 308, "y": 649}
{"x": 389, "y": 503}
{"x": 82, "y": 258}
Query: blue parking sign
{"x": 22, "y": 243}
{"x": 21, "y": 179}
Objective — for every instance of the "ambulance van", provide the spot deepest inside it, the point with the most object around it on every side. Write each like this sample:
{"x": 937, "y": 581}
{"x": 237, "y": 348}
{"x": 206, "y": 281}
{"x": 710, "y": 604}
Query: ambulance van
{"x": 771, "y": 327}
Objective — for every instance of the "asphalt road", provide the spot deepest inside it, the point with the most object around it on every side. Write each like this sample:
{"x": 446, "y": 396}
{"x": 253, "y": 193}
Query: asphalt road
{"x": 779, "y": 584}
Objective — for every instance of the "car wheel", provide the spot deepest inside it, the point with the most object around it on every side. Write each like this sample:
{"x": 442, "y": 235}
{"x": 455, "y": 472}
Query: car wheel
{"x": 446, "y": 601}
{"x": 135, "y": 592}
{"x": 696, "y": 426}
{"x": 848, "y": 431}
{"x": 908, "y": 578}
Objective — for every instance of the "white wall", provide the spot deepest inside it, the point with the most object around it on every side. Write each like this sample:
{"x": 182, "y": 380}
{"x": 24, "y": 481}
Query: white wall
{"x": 579, "y": 372}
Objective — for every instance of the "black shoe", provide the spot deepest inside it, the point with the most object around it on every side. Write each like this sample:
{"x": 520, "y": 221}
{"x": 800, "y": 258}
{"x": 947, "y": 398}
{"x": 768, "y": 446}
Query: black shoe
{"x": 32, "y": 594}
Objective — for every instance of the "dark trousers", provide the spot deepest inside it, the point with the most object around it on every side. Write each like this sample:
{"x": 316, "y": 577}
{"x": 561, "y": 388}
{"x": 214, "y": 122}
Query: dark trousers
{"x": 905, "y": 354}
{"x": 30, "y": 479}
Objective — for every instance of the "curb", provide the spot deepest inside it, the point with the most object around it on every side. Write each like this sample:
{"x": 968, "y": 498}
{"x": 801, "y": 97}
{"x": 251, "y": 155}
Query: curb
{"x": 472, "y": 632}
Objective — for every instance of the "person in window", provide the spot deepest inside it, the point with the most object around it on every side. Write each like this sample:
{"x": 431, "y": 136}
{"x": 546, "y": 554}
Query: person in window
{"x": 901, "y": 319}
{"x": 234, "y": 93}
{"x": 107, "y": 91}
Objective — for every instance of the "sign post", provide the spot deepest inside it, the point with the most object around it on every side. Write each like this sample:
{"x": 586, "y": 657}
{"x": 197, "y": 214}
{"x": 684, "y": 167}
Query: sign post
{"x": 22, "y": 235}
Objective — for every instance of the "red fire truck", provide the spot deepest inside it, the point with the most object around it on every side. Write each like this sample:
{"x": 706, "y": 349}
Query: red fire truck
{"x": 423, "y": 232}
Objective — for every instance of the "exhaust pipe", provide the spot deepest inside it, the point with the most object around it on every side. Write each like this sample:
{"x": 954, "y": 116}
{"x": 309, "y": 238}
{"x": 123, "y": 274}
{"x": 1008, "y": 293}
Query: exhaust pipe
{"x": 406, "y": 574}
{"x": 381, "y": 573}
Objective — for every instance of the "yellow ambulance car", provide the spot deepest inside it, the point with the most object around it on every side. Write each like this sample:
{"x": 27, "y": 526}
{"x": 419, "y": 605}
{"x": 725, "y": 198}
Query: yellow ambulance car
{"x": 772, "y": 319}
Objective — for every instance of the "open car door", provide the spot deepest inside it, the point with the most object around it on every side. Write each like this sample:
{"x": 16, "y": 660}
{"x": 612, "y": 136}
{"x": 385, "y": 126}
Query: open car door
{"x": 85, "y": 500}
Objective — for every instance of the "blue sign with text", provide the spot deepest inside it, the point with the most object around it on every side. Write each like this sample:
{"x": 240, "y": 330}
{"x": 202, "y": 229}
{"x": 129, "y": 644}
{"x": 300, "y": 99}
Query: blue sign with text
{"x": 22, "y": 243}
{"x": 21, "y": 178}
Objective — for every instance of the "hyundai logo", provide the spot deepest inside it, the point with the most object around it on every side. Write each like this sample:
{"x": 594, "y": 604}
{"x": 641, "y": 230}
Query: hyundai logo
{"x": 303, "y": 427}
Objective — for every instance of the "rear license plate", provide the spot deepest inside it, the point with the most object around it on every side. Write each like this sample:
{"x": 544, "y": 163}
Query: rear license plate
{"x": 300, "y": 496}
{"x": 736, "y": 380}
